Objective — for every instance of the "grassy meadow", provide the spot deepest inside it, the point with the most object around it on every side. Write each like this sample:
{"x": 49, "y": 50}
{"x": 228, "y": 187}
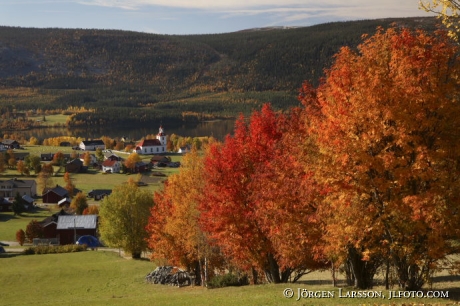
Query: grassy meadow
{"x": 104, "y": 278}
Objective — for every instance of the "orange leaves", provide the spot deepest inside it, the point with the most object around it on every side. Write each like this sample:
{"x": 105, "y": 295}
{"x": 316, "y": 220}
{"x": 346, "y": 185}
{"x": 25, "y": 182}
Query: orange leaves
{"x": 387, "y": 117}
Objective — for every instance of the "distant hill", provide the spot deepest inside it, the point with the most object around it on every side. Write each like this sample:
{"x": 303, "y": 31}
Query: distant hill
{"x": 130, "y": 77}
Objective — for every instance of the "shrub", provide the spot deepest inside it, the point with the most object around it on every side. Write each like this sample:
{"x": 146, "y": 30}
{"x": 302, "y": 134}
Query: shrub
{"x": 226, "y": 280}
{"x": 51, "y": 249}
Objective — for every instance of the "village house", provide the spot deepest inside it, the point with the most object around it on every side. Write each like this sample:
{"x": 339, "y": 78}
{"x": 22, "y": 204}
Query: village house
{"x": 10, "y": 144}
{"x": 20, "y": 155}
{"x": 50, "y": 156}
{"x": 75, "y": 166}
{"x": 92, "y": 145}
{"x": 64, "y": 203}
{"x": 49, "y": 225}
{"x": 152, "y": 146}
{"x": 111, "y": 156}
{"x": 9, "y": 188}
{"x": 111, "y": 166}
{"x": 54, "y": 195}
{"x": 99, "y": 194}
{"x": 141, "y": 167}
{"x": 157, "y": 159}
{"x": 5, "y": 205}
{"x": 66, "y": 229}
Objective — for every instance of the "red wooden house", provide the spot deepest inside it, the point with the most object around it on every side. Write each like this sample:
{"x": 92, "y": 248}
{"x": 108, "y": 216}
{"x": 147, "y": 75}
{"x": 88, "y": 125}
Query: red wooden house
{"x": 71, "y": 227}
{"x": 54, "y": 195}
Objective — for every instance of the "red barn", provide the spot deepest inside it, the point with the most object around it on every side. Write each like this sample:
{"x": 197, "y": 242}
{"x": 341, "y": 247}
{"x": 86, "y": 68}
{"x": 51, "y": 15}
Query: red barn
{"x": 71, "y": 227}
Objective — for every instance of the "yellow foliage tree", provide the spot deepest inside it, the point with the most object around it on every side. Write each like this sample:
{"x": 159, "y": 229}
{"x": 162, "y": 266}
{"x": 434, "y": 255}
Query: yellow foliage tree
{"x": 447, "y": 11}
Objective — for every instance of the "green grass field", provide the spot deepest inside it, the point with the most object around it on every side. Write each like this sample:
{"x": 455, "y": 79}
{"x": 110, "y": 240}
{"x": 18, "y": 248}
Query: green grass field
{"x": 10, "y": 224}
{"x": 104, "y": 278}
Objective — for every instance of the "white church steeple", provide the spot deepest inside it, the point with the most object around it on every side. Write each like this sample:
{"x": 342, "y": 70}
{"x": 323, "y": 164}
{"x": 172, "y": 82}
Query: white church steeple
{"x": 161, "y": 136}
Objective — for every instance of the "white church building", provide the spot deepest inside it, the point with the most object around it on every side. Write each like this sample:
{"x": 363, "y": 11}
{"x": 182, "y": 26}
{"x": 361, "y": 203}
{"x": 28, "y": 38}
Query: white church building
{"x": 152, "y": 146}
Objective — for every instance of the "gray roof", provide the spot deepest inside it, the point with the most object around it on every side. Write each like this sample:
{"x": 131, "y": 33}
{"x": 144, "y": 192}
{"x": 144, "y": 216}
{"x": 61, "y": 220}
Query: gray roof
{"x": 77, "y": 221}
{"x": 19, "y": 183}
{"x": 60, "y": 191}
{"x": 93, "y": 142}
{"x": 28, "y": 199}
{"x": 9, "y": 141}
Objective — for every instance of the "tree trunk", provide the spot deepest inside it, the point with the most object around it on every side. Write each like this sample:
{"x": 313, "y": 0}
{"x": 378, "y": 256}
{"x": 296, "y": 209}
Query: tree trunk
{"x": 411, "y": 276}
{"x": 349, "y": 274}
{"x": 255, "y": 276}
{"x": 363, "y": 271}
{"x": 272, "y": 272}
{"x": 136, "y": 255}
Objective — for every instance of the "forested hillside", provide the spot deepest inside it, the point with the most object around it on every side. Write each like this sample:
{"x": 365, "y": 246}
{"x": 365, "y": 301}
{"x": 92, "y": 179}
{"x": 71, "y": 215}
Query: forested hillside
{"x": 130, "y": 77}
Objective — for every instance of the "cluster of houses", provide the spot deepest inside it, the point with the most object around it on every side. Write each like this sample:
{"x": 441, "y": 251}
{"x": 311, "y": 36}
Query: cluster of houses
{"x": 62, "y": 228}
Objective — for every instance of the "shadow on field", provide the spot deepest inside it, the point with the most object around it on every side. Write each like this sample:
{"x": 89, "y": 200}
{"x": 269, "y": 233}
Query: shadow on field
{"x": 4, "y": 217}
{"x": 10, "y": 254}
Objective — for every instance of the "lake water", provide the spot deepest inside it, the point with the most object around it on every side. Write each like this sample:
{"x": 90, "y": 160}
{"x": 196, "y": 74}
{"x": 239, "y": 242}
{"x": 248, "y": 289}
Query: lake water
{"x": 218, "y": 129}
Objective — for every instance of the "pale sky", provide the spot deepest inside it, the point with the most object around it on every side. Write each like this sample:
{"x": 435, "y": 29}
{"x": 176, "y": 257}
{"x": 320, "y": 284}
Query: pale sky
{"x": 196, "y": 16}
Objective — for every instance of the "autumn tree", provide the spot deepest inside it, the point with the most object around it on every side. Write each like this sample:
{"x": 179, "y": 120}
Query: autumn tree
{"x": 34, "y": 230}
{"x": 231, "y": 211}
{"x": 86, "y": 159}
{"x": 176, "y": 209}
{"x": 33, "y": 141}
{"x": 21, "y": 167}
{"x": 32, "y": 162}
{"x": 21, "y": 237}
{"x": 131, "y": 160}
{"x": 11, "y": 159}
{"x": 385, "y": 120}
{"x": 124, "y": 215}
{"x": 446, "y": 10}
{"x": 286, "y": 197}
{"x": 99, "y": 155}
{"x": 91, "y": 210}
{"x": 44, "y": 179}
{"x": 58, "y": 159}
{"x": 69, "y": 185}
{"x": 79, "y": 203}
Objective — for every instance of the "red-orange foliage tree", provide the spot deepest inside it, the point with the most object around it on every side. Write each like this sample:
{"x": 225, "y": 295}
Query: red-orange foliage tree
{"x": 387, "y": 128}
{"x": 285, "y": 195}
{"x": 34, "y": 230}
{"x": 21, "y": 236}
{"x": 238, "y": 206}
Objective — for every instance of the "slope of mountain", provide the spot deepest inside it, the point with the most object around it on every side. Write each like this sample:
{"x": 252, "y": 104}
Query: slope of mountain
{"x": 148, "y": 76}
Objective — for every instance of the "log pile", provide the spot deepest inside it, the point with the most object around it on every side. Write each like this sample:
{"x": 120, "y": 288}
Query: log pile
{"x": 168, "y": 275}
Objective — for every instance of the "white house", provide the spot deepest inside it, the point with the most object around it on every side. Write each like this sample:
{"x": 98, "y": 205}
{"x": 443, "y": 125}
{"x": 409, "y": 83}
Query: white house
{"x": 152, "y": 146}
{"x": 113, "y": 166}
{"x": 92, "y": 145}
